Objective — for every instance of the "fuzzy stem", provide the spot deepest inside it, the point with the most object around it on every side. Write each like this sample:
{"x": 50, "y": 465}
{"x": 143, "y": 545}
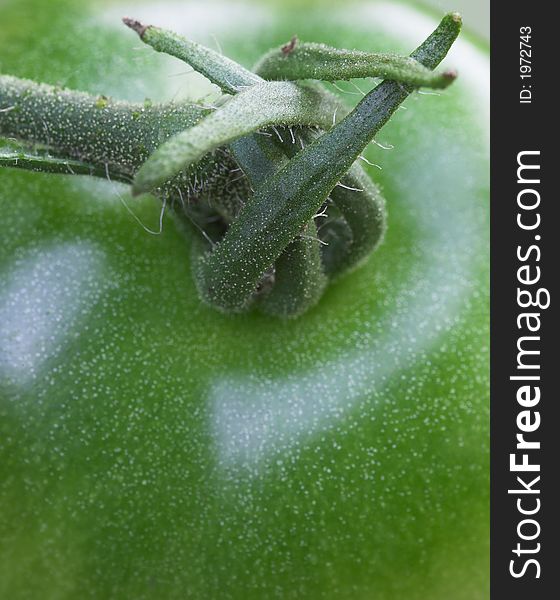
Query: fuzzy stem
{"x": 96, "y": 130}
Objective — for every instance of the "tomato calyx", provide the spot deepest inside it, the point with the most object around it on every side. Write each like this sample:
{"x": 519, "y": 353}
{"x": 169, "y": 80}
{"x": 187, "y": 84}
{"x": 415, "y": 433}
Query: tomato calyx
{"x": 286, "y": 206}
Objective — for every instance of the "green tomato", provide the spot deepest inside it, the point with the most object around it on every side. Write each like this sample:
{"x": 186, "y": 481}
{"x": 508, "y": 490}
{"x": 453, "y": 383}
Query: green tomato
{"x": 151, "y": 447}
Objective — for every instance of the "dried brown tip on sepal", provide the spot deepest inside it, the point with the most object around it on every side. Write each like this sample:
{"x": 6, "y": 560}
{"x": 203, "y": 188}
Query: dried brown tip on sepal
{"x": 450, "y": 74}
{"x": 289, "y": 47}
{"x": 135, "y": 26}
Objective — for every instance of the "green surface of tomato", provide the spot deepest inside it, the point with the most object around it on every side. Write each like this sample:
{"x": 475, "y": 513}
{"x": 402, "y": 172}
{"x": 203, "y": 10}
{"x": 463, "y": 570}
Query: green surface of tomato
{"x": 151, "y": 447}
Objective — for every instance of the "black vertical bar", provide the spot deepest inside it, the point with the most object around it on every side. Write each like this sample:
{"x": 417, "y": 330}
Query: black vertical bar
{"x": 524, "y": 119}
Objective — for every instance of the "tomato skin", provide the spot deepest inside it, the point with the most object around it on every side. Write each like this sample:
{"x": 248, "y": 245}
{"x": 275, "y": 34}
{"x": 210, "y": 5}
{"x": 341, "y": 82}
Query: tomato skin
{"x": 152, "y": 447}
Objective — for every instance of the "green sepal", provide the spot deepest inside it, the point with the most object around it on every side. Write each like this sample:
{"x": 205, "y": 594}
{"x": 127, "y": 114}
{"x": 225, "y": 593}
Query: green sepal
{"x": 363, "y": 207}
{"x": 299, "y": 279}
{"x": 230, "y": 76}
{"x": 318, "y": 61}
{"x": 43, "y": 162}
